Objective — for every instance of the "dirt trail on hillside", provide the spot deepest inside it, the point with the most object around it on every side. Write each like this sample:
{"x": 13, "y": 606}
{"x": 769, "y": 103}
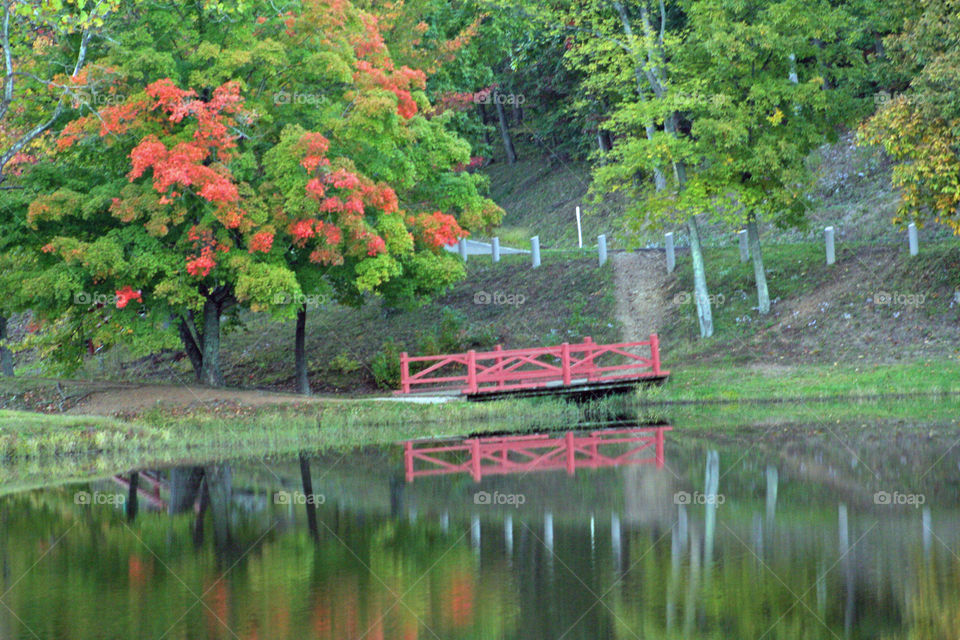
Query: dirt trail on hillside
{"x": 641, "y": 300}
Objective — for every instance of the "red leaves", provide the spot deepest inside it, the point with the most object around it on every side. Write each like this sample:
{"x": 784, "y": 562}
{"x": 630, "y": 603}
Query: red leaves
{"x": 219, "y": 189}
{"x": 149, "y": 152}
{"x": 170, "y": 98}
{"x": 125, "y": 295}
{"x": 399, "y": 82}
{"x": 316, "y": 189}
{"x": 439, "y": 229}
{"x": 342, "y": 179}
{"x": 372, "y": 41}
{"x": 301, "y": 230}
{"x": 262, "y": 241}
{"x": 375, "y": 246}
{"x": 201, "y": 265}
{"x": 475, "y": 163}
{"x": 382, "y": 197}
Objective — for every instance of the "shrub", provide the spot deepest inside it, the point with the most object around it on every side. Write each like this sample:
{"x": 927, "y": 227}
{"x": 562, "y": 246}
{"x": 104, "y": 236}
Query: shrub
{"x": 386, "y": 365}
{"x": 344, "y": 363}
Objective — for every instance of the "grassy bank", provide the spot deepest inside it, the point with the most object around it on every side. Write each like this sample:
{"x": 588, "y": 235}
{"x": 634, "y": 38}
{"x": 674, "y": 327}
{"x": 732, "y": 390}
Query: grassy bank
{"x": 712, "y": 383}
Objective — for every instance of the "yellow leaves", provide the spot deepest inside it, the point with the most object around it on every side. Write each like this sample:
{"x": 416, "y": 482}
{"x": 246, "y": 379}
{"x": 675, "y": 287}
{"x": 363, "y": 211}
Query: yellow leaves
{"x": 776, "y": 117}
{"x": 42, "y": 44}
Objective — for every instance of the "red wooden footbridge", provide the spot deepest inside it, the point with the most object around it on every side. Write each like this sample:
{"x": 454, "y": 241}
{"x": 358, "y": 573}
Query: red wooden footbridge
{"x": 585, "y": 368}
{"x": 480, "y": 457}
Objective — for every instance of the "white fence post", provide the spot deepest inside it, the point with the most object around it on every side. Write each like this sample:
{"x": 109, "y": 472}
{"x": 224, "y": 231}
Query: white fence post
{"x": 462, "y": 247}
{"x": 744, "y": 246}
{"x": 914, "y": 242}
{"x": 579, "y": 231}
{"x": 828, "y": 236}
{"x": 535, "y": 250}
{"x": 495, "y": 249}
{"x": 602, "y": 248}
{"x": 671, "y": 257}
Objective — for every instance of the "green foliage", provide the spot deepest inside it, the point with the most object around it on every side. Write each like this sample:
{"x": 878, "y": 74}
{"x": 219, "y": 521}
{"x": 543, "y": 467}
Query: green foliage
{"x": 103, "y": 227}
{"x": 343, "y": 363}
{"x": 385, "y": 366}
{"x": 920, "y": 128}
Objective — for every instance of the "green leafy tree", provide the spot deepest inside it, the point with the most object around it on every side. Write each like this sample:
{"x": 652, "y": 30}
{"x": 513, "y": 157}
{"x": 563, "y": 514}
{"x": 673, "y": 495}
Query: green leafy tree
{"x": 46, "y": 51}
{"x": 920, "y": 126}
{"x": 759, "y": 102}
{"x": 252, "y": 192}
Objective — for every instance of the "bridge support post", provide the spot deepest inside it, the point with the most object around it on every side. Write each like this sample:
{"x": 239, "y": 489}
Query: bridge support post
{"x": 495, "y": 249}
{"x": 535, "y": 250}
{"x": 471, "y": 371}
{"x": 655, "y": 353}
{"x": 404, "y": 373}
{"x": 408, "y": 460}
{"x": 588, "y": 351}
{"x": 571, "y": 454}
{"x": 671, "y": 256}
{"x": 475, "y": 470}
{"x": 659, "y": 446}
{"x": 500, "y": 372}
{"x": 565, "y": 363}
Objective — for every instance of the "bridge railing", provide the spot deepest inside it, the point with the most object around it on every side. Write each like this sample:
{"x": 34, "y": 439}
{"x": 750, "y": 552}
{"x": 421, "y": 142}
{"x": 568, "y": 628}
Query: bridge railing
{"x": 512, "y": 369}
{"x": 486, "y": 456}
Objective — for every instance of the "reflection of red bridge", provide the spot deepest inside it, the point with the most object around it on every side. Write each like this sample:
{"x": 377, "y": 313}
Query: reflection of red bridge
{"x": 150, "y": 495}
{"x": 581, "y": 368}
{"x": 522, "y": 454}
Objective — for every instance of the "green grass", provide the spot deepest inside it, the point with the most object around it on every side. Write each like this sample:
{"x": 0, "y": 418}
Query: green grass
{"x": 925, "y": 414}
{"x": 712, "y": 383}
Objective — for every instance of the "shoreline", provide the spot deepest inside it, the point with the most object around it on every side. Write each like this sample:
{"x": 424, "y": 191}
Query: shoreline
{"x": 40, "y": 447}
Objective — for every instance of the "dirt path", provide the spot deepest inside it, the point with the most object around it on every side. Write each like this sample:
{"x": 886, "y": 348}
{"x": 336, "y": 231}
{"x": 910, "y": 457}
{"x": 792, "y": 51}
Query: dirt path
{"x": 641, "y": 301}
{"x": 133, "y": 398}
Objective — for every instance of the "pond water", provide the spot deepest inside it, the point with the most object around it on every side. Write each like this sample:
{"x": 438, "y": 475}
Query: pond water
{"x": 563, "y": 536}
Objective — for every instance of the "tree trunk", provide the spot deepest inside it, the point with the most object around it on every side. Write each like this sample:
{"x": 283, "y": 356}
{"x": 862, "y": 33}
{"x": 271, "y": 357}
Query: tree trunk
{"x": 131, "y": 505}
{"x": 184, "y": 488}
{"x": 659, "y": 181}
{"x": 6, "y": 356}
{"x": 504, "y": 130}
{"x": 187, "y": 331}
{"x": 604, "y": 141}
{"x": 210, "y": 372}
{"x": 219, "y": 484}
{"x": 759, "y": 273}
{"x": 300, "y": 352}
{"x": 704, "y": 314}
{"x": 308, "y": 494}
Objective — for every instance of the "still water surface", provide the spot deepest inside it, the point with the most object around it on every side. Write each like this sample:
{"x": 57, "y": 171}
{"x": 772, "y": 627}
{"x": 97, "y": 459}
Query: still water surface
{"x": 833, "y": 538}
